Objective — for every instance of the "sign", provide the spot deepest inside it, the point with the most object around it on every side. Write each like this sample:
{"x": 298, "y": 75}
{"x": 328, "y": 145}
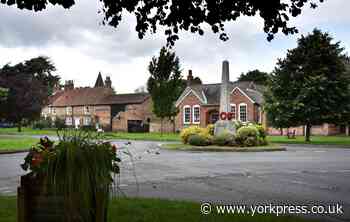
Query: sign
{"x": 226, "y": 115}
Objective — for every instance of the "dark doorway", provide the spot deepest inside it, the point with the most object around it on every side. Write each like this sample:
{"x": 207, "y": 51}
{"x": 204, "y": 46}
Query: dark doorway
{"x": 213, "y": 116}
{"x": 137, "y": 126}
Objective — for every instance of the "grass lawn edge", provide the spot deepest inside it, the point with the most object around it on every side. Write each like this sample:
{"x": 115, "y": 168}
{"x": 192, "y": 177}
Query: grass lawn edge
{"x": 186, "y": 147}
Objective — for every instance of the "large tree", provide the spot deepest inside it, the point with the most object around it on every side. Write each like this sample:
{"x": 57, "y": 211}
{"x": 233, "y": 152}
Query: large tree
{"x": 165, "y": 84}
{"x": 311, "y": 85}
{"x": 189, "y": 15}
{"x": 29, "y": 85}
{"x": 255, "y": 76}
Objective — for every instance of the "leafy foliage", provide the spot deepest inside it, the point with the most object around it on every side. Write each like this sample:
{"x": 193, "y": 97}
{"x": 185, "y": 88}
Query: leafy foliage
{"x": 79, "y": 168}
{"x": 198, "y": 140}
{"x": 29, "y": 85}
{"x": 165, "y": 83}
{"x": 189, "y": 15}
{"x": 224, "y": 139}
{"x": 187, "y": 132}
{"x": 310, "y": 86}
{"x": 255, "y": 76}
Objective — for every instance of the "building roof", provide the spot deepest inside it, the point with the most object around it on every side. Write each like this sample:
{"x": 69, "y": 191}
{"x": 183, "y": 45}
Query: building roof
{"x": 94, "y": 96}
{"x": 82, "y": 96}
{"x": 209, "y": 94}
{"x": 130, "y": 98}
{"x": 99, "y": 81}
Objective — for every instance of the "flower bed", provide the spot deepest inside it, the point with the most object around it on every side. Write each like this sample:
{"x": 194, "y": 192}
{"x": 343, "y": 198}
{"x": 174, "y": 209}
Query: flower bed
{"x": 249, "y": 135}
{"x": 69, "y": 181}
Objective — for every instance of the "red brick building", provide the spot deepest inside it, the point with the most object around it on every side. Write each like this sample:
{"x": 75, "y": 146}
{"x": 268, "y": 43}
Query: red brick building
{"x": 199, "y": 105}
{"x": 100, "y": 107}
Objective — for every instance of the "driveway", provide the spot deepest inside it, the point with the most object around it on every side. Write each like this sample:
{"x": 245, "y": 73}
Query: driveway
{"x": 309, "y": 175}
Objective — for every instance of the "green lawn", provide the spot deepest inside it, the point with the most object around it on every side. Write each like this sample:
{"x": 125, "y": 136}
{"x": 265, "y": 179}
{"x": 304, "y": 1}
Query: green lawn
{"x": 12, "y": 143}
{"x": 214, "y": 148}
{"x": 27, "y": 131}
{"x": 143, "y": 136}
{"x": 319, "y": 140}
{"x": 155, "y": 210}
{"x": 323, "y": 140}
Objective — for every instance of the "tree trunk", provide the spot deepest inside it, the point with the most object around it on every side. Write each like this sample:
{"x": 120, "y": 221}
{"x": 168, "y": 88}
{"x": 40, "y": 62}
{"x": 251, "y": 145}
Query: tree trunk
{"x": 308, "y": 132}
{"x": 161, "y": 126}
{"x": 347, "y": 129}
{"x": 174, "y": 128}
{"x": 19, "y": 126}
{"x": 281, "y": 131}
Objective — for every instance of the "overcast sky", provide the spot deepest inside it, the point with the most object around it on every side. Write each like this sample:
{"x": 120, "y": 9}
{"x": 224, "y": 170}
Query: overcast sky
{"x": 80, "y": 46}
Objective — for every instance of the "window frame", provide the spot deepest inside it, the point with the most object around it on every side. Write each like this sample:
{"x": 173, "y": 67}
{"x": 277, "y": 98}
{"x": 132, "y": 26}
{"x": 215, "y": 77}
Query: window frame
{"x": 193, "y": 114}
{"x": 86, "y": 110}
{"x": 235, "y": 114}
{"x": 69, "y": 110}
{"x": 246, "y": 112}
{"x": 184, "y": 114}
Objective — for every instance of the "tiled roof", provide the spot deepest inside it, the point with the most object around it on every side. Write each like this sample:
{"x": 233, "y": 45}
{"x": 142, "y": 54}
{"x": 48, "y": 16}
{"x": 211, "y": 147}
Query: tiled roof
{"x": 210, "y": 93}
{"x": 131, "y": 98}
{"x": 94, "y": 96}
{"x": 82, "y": 96}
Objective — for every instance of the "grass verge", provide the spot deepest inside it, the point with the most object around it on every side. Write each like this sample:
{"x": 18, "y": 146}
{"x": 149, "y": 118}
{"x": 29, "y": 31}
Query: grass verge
{"x": 213, "y": 148}
{"x": 155, "y": 210}
{"x": 13, "y": 144}
{"x": 343, "y": 141}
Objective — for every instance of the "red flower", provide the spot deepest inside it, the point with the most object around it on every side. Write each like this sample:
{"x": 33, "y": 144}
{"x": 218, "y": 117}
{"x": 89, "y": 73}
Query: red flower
{"x": 37, "y": 159}
{"x": 114, "y": 148}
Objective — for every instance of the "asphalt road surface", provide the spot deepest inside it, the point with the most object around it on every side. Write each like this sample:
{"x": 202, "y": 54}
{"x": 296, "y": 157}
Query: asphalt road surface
{"x": 302, "y": 175}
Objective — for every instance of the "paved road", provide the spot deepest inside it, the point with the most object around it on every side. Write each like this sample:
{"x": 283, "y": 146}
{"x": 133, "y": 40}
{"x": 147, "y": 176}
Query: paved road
{"x": 301, "y": 175}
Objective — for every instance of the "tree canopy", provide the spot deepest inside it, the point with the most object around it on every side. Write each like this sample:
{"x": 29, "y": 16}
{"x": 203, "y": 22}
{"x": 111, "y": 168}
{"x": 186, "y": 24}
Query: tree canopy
{"x": 255, "y": 76}
{"x": 28, "y": 87}
{"x": 165, "y": 83}
{"x": 190, "y": 15}
{"x": 311, "y": 85}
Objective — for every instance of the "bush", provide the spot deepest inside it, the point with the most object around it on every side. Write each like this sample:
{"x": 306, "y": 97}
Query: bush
{"x": 261, "y": 130}
{"x": 59, "y": 123}
{"x": 187, "y": 132}
{"x": 198, "y": 140}
{"x": 247, "y": 136}
{"x": 42, "y": 123}
{"x": 224, "y": 139}
{"x": 210, "y": 129}
{"x": 238, "y": 124}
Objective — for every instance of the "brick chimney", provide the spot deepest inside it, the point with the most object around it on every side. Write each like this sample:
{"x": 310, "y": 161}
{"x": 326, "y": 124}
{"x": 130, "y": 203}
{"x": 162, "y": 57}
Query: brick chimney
{"x": 108, "y": 82}
{"x": 189, "y": 77}
{"x": 56, "y": 89}
{"x": 69, "y": 85}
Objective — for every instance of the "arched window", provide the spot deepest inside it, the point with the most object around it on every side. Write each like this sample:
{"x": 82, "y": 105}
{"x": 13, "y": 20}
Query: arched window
{"x": 233, "y": 110}
{"x": 196, "y": 118}
{"x": 187, "y": 114}
{"x": 243, "y": 112}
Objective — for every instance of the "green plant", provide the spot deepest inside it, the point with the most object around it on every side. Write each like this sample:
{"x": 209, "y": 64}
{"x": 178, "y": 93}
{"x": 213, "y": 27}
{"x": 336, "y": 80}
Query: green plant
{"x": 198, "y": 140}
{"x": 59, "y": 124}
{"x": 42, "y": 123}
{"x": 250, "y": 141}
{"x": 187, "y": 132}
{"x": 79, "y": 168}
{"x": 247, "y": 135}
{"x": 261, "y": 130}
{"x": 210, "y": 129}
{"x": 223, "y": 139}
{"x": 238, "y": 124}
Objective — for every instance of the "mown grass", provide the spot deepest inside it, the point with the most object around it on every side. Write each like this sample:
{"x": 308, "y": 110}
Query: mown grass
{"x": 12, "y": 143}
{"x": 155, "y": 210}
{"x": 316, "y": 140}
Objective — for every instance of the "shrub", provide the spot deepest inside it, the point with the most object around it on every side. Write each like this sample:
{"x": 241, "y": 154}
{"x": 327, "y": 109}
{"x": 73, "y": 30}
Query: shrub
{"x": 238, "y": 124}
{"x": 210, "y": 129}
{"x": 223, "y": 139}
{"x": 262, "y": 141}
{"x": 198, "y": 140}
{"x": 187, "y": 132}
{"x": 261, "y": 130}
{"x": 42, "y": 123}
{"x": 247, "y": 136}
{"x": 59, "y": 123}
